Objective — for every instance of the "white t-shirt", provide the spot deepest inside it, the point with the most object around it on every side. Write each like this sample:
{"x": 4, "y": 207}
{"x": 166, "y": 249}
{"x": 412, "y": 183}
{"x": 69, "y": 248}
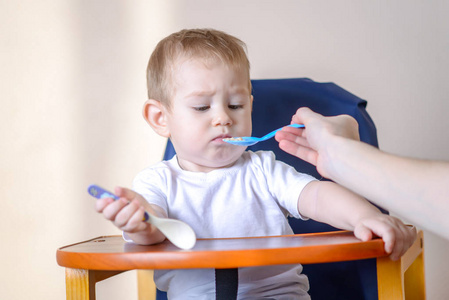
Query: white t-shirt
{"x": 251, "y": 198}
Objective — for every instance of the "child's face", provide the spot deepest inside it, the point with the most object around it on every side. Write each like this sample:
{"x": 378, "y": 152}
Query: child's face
{"x": 211, "y": 102}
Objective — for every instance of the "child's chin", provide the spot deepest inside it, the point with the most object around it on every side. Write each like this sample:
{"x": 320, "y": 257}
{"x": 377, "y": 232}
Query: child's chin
{"x": 225, "y": 163}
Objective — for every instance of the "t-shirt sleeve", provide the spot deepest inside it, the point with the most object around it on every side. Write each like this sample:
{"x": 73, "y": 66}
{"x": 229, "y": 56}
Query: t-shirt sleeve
{"x": 285, "y": 183}
{"x": 147, "y": 183}
{"x": 152, "y": 186}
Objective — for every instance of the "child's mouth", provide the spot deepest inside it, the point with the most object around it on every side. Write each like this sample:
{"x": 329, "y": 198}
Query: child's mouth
{"x": 221, "y": 137}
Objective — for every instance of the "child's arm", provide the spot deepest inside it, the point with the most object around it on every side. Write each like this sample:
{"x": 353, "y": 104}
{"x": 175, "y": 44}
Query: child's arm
{"x": 127, "y": 214}
{"x": 330, "y": 203}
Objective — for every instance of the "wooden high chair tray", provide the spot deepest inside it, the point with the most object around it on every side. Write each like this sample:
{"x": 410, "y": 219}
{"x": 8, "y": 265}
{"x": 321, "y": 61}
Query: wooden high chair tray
{"x": 113, "y": 253}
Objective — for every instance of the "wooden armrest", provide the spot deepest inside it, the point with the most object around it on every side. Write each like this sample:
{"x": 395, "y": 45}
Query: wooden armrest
{"x": 403, "y": 279}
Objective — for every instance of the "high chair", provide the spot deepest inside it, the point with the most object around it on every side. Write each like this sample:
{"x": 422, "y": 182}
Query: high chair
{"x": 275, "y": 102}
{"x": 349, "y": 269}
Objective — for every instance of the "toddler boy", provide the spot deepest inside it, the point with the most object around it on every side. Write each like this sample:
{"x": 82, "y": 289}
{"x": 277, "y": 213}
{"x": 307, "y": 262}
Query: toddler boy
{"x": 199, "y": 93}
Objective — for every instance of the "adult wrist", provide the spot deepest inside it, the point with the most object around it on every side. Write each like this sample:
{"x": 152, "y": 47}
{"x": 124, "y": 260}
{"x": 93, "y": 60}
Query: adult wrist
{"x": 331, "y": 154}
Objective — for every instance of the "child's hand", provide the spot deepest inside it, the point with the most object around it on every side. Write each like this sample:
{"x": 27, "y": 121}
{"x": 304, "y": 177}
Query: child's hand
{"x": 126, "y": 213}
{"x": 397, "y": 236}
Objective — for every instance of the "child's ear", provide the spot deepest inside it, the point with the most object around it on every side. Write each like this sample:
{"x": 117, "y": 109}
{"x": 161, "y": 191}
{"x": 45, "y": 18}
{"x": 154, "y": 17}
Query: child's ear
{"x": 155, "y": 113}
{"x": 252, "y": 99}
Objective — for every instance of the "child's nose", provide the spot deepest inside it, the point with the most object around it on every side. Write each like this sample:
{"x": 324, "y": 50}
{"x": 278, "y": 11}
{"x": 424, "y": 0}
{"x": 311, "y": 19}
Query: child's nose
{"x": 222, "y": 118}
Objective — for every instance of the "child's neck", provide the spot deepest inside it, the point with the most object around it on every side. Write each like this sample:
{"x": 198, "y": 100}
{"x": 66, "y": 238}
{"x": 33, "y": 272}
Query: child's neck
{"x": 193, "y": 167}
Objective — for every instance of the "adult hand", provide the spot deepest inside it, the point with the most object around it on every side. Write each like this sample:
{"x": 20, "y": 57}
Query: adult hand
{"x": 311, "y": 143}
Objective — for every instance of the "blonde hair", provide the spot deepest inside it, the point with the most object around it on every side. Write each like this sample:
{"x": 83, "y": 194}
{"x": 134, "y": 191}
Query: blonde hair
{"x": 205, "y": 44}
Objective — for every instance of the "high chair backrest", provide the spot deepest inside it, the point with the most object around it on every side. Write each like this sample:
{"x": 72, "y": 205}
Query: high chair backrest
{"x": 275, "y": 102}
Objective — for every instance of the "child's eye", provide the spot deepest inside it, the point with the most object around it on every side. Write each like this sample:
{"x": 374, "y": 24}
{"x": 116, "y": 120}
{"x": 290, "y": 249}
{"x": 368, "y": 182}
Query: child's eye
{"x": 201, "y": 108}
{"x": 235, "y": 106}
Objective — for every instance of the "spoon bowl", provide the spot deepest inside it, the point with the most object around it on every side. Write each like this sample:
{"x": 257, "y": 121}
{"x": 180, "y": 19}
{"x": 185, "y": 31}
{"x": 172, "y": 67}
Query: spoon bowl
{"x": 177, "y": 232}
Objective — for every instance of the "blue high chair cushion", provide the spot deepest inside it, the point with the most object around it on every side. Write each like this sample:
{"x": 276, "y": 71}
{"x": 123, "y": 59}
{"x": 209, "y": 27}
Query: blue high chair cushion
{"x": 275, "y": 102}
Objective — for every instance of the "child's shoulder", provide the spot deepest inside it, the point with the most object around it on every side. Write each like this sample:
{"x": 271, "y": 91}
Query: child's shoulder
{"x": 161, "y": 168}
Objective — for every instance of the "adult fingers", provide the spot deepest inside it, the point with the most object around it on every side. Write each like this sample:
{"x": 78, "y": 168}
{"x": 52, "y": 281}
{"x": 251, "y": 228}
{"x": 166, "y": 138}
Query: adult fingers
{"x": 303, "y": 115}
{"x": 295, "y": 135}
{"x": 292, "y": 141}
{"x": 307, "y": 154}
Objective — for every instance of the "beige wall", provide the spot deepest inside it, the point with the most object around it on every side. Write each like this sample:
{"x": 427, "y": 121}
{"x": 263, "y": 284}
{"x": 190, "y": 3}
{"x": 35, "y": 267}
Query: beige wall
{"x": 73, "y": 81}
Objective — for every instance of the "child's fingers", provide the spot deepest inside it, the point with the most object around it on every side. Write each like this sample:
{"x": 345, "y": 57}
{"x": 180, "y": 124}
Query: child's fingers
{"x": 398, "y": 247}
{"x": 113, "y": 208}
{"x": 135, "y": 222}
{"x": 406, "y": 237}
{"x": 397, "y": 237}
{"x": 382, "y": 229}
{"x": 388, "y": 235}
{"x": 403, "y": 238}
{"x": 363, "y": 233}
{"x": 412, "y": 234}
{"x": 126, "y": 193}
{"x": 101, "y": 204}
{"x": 130, "y": 218}
{"x": 125, "y": 214}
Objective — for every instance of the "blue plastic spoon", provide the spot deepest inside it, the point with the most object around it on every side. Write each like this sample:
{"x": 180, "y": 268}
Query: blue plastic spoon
{"x": 249, "y": 140}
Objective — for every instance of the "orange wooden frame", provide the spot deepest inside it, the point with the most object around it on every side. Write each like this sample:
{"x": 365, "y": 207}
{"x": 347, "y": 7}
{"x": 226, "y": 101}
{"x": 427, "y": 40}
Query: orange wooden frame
{"x": 97, "y": 259}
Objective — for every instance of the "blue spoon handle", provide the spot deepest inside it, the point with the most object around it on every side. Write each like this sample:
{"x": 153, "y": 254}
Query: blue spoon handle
{"x": 273, "y": 133}
{"x": 100, "y": 193}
